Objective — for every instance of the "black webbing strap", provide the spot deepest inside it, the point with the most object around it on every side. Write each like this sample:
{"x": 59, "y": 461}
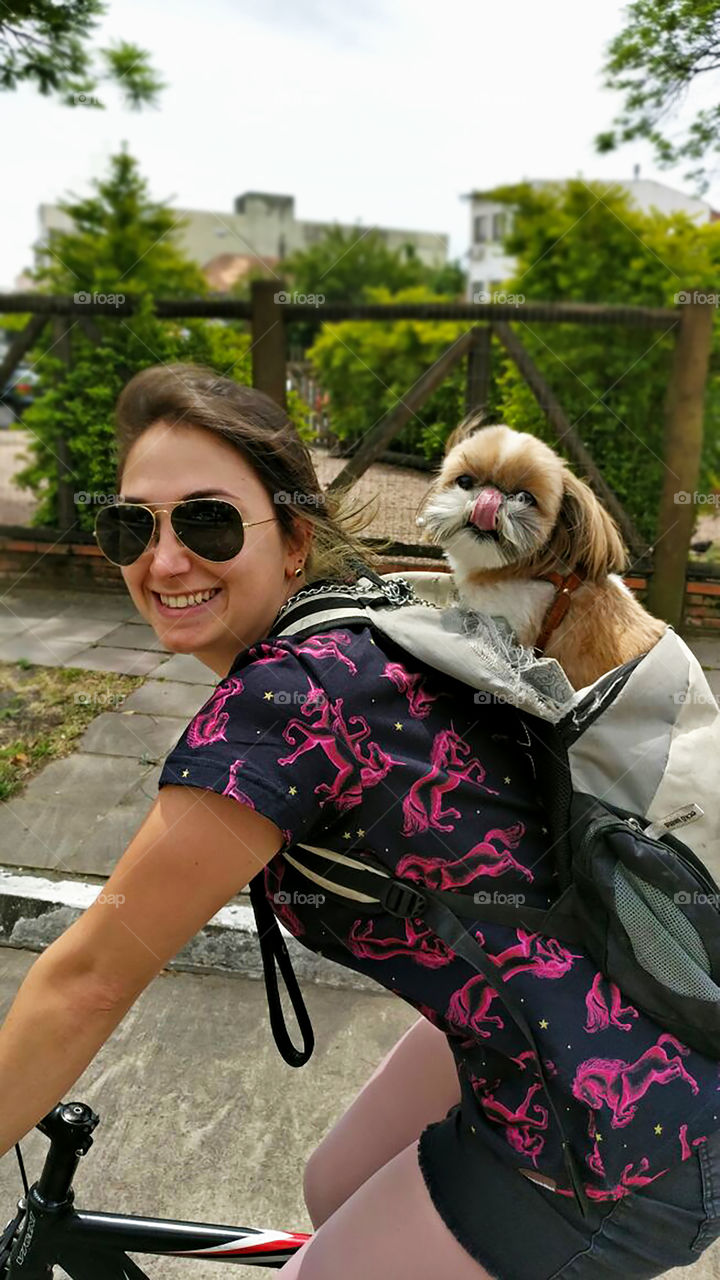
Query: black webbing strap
{"x": 275, "y": 956}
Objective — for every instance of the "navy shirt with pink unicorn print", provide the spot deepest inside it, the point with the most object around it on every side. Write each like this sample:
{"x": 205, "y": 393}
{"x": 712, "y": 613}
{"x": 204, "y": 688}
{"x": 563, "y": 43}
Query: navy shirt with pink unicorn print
{"x": 345, "y": 742}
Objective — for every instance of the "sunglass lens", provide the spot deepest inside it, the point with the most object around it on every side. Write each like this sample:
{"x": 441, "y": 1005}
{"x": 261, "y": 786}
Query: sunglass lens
{"x": 209, "y": 528}
{"x": 123, "y": 532}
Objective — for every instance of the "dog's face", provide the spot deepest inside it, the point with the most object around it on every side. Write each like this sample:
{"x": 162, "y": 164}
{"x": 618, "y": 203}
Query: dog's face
{"x": 503, "y": 499}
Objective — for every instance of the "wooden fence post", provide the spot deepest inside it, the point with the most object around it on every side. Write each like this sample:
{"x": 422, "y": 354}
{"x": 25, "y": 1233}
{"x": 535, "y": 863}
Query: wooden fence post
{"x": 477, "y": 392}
{"x": 268, "y": 340}
{"x": 684, "y": 406}
{"x": 67, "y": 518}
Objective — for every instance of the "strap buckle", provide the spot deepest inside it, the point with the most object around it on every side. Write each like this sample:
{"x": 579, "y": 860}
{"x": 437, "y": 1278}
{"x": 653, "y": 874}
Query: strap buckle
{"x": 399, "y": 900}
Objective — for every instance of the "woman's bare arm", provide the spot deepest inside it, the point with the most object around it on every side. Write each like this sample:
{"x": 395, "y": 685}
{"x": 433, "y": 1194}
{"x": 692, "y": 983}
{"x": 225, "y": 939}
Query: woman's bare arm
{"x": 194, "y": 851}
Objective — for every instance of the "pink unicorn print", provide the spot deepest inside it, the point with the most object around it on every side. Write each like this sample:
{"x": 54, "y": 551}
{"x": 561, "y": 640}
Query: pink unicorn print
{"x": 524, "y": 1127}
{"x": 327, "y": 645}
{"x": 411, "y": 684}
{"x": 421, "y": 946}
{"x": 233, "y": 789}
{"x": 446, "y": 763}
{"x": 536, "y": 954}
{"x": 599, "y": 1016}
{"x": 330, "y": 733}
{"x": 685, "y": 1146}
{"x": 482, "y": 860}
{"x": 210, "y": 722}
{"x": 469, "y": 1005}
{"x": 620, "y": 1085}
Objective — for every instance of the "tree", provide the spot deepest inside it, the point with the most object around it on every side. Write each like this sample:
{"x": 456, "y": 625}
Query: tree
{"x": 121, "y": 243}
{"x": 47, "y": 44}
{"x": 367, "y": 366}
{"x": 576, "y": 242}
{"x": 665, "y": 49}
{"x": 344, "y": 265}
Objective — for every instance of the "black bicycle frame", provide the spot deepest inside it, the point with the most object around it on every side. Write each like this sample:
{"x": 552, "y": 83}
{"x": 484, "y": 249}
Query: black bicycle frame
{"x": 48, "y": 1231}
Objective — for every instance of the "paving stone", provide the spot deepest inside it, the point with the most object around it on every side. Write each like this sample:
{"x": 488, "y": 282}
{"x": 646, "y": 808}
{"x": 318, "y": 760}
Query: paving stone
{"x": 186, "y": 668}
{"x": 11, "y": 627}
{"x": 48, "y": 603}
{"x": 45, "y": 653}
{"x": 70, "y": 627}
{"x": 53, "y": 820}
{"x": 167, "y": 698}
{"x": 129, "y": 662}
{"x": 131, "y": 636}
{"x": 118, "y": 733}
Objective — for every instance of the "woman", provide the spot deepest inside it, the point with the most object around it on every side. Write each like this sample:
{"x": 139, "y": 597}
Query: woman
{"x": 449, "y": 1162}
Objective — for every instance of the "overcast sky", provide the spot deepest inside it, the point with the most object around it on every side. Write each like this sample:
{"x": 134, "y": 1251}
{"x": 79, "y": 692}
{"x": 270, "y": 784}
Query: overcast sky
{"x": 385, "y": 111}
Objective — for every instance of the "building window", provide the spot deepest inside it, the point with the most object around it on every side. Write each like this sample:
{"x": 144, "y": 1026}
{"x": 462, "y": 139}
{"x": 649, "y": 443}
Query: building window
{"x": 498, "y": 226}
{"x": 480, "y": 228}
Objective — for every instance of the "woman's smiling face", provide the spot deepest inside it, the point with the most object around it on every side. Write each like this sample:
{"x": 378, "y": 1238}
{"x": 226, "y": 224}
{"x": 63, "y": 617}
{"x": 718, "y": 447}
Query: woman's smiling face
{"x": 171, "y": 462}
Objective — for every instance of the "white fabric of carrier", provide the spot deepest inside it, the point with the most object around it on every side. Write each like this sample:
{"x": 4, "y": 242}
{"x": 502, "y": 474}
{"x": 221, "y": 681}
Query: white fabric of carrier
{"x": 654, "y": 747}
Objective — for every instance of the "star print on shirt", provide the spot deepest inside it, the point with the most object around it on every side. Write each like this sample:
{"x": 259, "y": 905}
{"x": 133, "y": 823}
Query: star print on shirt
{"x": 292, "y": 791}
{"x": 184, "y": 773}
{"x": 398, "y": 725}
{"x": 544, "y": 1024}
{"x": 658, "y": 1129}
{"x": 268, "y": 695}
{"x": 507, "y": 781}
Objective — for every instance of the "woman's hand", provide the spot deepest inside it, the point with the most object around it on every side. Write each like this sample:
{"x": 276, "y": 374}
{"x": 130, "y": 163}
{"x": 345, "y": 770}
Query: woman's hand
{"x": 194, "y": 851}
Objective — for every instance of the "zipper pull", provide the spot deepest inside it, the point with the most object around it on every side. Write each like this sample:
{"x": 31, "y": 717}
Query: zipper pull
{"x": 680, "y": 817}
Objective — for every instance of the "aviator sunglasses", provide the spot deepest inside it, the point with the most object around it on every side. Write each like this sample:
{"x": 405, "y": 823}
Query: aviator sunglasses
{"x": 209, "y": 527}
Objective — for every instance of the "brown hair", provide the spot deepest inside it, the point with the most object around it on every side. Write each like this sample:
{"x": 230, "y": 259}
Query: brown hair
{"x": 264, "y": 434}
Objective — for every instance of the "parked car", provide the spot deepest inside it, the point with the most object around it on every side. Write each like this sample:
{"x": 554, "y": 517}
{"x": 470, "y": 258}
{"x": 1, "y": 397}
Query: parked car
{"x": 19, "y": 392}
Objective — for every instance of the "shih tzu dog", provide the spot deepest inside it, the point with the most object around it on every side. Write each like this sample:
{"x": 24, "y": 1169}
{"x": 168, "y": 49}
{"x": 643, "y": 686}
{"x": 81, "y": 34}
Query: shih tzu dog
{"x": 529, "y": 542}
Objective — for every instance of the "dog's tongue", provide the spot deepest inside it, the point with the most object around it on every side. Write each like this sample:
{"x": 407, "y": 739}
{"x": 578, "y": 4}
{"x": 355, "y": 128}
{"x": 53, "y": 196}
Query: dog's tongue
{"x": 485, "y": 508}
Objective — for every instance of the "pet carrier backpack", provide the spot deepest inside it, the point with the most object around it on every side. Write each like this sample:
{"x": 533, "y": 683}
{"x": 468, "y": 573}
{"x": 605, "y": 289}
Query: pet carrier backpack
{"x": 629, "y": 771}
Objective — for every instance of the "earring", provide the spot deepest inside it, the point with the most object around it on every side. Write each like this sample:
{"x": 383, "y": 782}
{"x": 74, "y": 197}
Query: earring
{"x": 298, "y": 571}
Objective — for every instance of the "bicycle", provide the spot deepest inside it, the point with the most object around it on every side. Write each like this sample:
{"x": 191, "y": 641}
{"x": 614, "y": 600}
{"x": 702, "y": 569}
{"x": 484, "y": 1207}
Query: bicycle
{"x": 48, "y": 1231}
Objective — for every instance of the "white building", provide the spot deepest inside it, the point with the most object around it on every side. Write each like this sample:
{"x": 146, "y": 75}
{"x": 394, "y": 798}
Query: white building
{"x": 489, "y": 266}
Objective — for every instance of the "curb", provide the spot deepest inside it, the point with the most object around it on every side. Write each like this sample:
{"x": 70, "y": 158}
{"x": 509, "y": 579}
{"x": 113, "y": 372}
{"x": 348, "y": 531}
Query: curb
{"x": 34, "y": 911}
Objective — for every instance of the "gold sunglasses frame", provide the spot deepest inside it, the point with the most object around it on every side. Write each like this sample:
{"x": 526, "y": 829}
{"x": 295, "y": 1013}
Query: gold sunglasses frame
{"x": 156, "y": 510}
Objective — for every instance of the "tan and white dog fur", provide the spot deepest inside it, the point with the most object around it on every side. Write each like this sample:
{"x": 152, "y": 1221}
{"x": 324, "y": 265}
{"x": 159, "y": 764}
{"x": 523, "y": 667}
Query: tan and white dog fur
{"x": 507, "y": 511}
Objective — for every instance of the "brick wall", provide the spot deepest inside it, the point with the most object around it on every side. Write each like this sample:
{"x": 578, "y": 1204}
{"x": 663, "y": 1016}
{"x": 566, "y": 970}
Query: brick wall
{"x": 42, "y": 561}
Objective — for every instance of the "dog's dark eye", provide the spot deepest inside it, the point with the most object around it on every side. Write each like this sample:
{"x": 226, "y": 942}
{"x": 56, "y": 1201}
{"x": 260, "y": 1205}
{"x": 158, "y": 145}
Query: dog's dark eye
{"x": 526, "y": 498}
{"x": 465, "y": 482}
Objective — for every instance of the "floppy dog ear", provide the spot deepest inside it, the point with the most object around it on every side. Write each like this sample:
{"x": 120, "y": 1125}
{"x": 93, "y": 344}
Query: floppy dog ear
{"x": 586, "y": 539}
{"x": 473, "y": 422}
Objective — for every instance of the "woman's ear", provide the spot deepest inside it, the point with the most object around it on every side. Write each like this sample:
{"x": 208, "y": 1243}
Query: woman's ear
{"x": 586, "y": 539}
